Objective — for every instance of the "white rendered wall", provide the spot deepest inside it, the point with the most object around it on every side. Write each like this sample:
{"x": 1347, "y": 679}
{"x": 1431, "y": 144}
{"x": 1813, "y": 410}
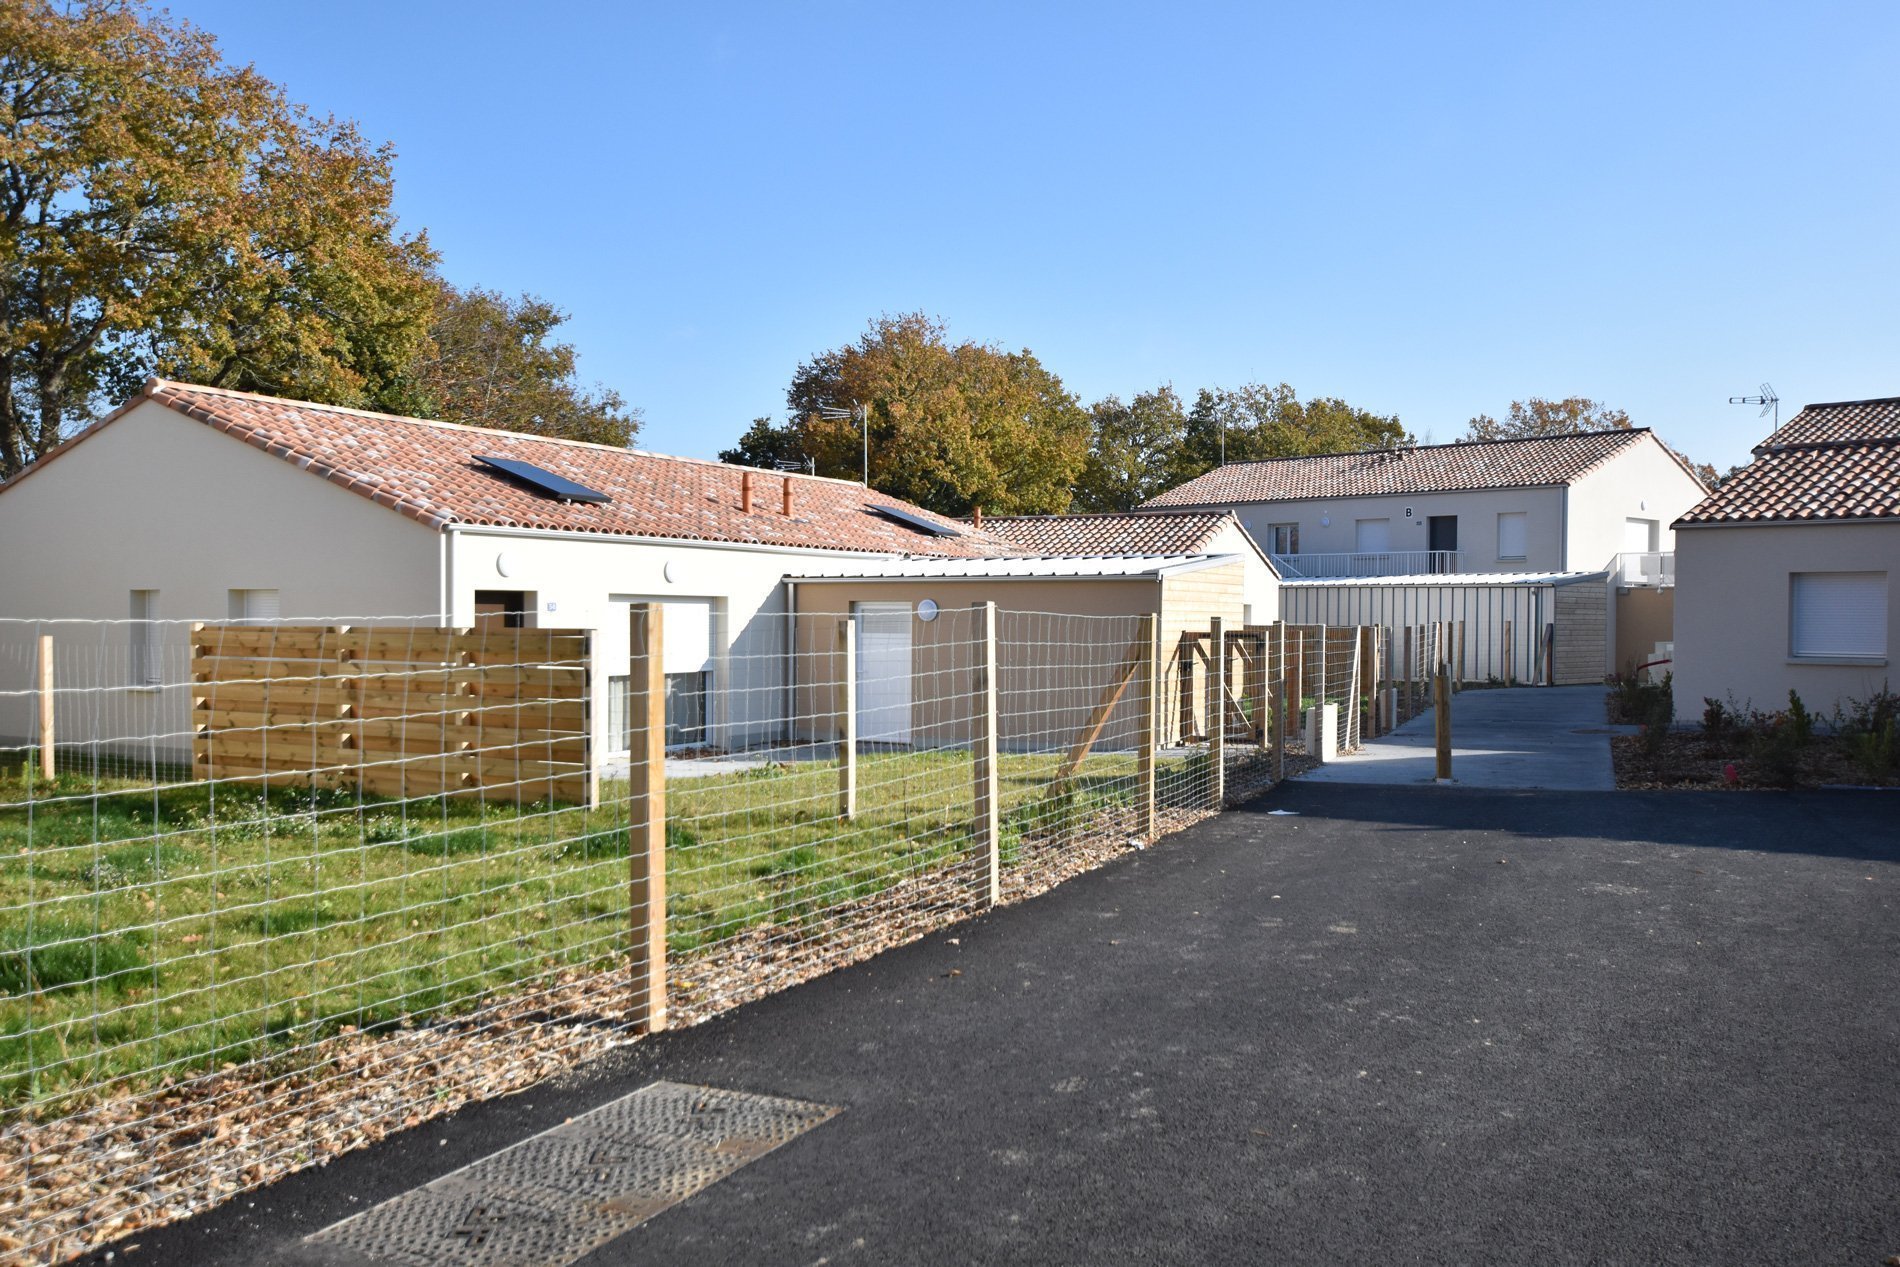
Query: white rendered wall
{"x": 1642, "y": 482}
{"x": 159, "y": 501}
{"x": 1327, "y": 524}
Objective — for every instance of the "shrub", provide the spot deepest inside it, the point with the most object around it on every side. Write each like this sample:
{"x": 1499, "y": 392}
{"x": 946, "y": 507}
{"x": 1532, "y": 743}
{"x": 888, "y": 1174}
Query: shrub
{"x": 1800, "y": 721}
{"x": 1718, "y": 723}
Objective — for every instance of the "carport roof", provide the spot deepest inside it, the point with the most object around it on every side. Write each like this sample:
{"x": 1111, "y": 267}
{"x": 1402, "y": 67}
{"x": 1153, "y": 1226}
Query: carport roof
{"x": 1447, "y": 579}
{"x": 1046, "y": 568}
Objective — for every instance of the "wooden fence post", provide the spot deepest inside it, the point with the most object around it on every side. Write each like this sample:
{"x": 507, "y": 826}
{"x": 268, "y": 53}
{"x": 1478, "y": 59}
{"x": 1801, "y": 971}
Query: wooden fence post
{"x": 983, "y": 748}
{"x": 848, "y": 720}
{"x": 46, "y": 706}
{"x": 1278, "y": 670}
{"x": 1150, "y": 724}
{"x": 1441, "y": 721}
{"x": 1410, "y": 700}
{"x": 1368, "y": 684}
{"x": 1458, "y": 677}
{"x": 1550, "y": 655}
{"x": 1319, "y": 692}
{"x": 1510, "y": 656}
{"x": 1217, "y": 735}
{"x": 646, "y": 814}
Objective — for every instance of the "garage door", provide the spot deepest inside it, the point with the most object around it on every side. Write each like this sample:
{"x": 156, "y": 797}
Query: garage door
{"x": 883, "y": 672}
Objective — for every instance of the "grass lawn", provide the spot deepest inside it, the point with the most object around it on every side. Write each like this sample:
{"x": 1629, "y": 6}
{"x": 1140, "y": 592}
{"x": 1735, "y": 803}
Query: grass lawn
{"x": 145, "y": 932}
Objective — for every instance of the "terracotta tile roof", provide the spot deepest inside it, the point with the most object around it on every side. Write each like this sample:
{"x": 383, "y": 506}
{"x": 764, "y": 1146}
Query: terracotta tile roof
{"x": 426, "y": 470}
{"x": 1831, "y": 462}
{"x": 1837, "y": 421}
{"x": 1425, "y": 468}
{"x": 1178, "y": 532}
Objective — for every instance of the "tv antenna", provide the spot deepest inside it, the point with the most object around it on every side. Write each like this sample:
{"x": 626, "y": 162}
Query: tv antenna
{"x": 859, "y": 413}
{"x": 1769, "y": 402}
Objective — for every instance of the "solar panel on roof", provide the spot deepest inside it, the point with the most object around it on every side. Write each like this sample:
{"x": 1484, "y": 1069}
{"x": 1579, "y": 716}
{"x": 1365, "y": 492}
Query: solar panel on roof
{"x": 543, "y": 481}
{"x": 917, "y": 521}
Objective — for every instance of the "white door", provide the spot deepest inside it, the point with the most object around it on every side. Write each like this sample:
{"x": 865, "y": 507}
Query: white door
{"x": 1373, "y": 536}
{"x": 884, "y": 669}
{"x": 1639, "y": 536}
{"x": 687, "y": 657}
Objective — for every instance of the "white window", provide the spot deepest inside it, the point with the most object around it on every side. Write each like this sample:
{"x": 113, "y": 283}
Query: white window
{"x": 1838, "y": 615}
{"x": 1513, "y": 532}
{"x": 1285, "y": 538}
{"x": 1372, "y": 536}
{"x": 253, "y": 607}
{"x": 143, "y": 632}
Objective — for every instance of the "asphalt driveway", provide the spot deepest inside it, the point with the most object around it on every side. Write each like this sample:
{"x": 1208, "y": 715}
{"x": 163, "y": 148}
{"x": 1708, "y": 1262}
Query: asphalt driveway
{"x": 1399, "y": 1026}
{"x": 1518, "y": 737}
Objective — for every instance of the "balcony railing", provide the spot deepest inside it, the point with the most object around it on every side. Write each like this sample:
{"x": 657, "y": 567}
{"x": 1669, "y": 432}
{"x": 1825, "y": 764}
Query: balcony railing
{"x": 1373, "y": 563}
{"x": 1655, "y": 569}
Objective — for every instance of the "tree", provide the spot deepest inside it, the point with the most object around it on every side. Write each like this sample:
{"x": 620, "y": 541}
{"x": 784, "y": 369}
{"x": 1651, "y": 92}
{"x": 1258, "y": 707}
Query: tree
{"x": 1254, "y": 421}
{"x": 160, "y": 210}
{"x": 767, "y": 444}
{"x": 1540, "y": 417}
{"x": 952, "y": 427}
{"x": 1130, "y": 448}
{"x": 489, "y": 362}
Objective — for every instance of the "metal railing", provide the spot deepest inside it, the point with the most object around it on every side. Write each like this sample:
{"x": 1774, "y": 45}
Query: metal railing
{"x": 1655, "y": 569}
{"x": 1371, "y": 563}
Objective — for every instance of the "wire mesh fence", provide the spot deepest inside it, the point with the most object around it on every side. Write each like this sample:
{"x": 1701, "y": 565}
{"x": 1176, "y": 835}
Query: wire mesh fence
{"x": 271, "y": 891}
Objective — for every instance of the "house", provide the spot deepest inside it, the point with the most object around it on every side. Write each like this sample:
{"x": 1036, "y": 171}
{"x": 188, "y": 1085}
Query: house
{"x": 1154, "y": 534}
{"x": 1786, "y": 571}
{"x": 1401, "y": 522}
{"x": 1569, "y": 503}
{"x": 197, "y": 504}
{"x": 192, "y": 503}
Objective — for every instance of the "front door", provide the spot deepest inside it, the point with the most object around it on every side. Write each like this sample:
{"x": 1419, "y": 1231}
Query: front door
{"x": 1443, "y": 531}
{"x": 884, "y": 668}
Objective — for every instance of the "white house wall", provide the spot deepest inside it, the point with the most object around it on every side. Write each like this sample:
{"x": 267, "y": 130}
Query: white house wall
{"x": 158, "y": 501}
{"x": 1327, "y": 524}
{"x": 1732, "y": 613}
{"x": 1642, "y": 482}
{"x": 586, "y": 583}
{"x": 1260, "y": 588}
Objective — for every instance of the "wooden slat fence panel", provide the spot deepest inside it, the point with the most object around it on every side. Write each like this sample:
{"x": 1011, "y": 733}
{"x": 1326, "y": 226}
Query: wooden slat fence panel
{"x": 396, "y": 711}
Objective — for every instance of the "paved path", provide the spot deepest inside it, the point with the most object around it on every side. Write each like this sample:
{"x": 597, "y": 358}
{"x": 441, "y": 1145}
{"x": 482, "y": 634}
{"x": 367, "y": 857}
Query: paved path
{"x": 1526, "y": 737}
{"x": 1405, "y": 1025}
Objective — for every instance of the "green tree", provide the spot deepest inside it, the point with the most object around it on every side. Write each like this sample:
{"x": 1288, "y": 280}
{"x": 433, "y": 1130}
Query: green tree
{"x": 1131, "y": 447}
{"x": 952, "y": 427}
{"x": 768, "y": 444}
{"x": 1540, "y": 417}
{"x": 1255, "y": 421}
{"x": 161, "y": 210}
{"x": 490, "y": 362}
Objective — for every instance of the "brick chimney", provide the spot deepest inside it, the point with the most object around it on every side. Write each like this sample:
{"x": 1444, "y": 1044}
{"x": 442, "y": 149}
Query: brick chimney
{"x": 788, "y": 497}
{"x": 976, "y": 516}
{"x": 745, "y": 492}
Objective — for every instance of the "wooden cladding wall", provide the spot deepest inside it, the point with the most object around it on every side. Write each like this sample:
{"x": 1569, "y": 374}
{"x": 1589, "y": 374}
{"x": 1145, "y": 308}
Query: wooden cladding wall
{"x": 396, "y": 711}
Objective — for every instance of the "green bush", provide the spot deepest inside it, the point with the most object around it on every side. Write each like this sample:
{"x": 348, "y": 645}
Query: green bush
{"x": 1718, "y": 722}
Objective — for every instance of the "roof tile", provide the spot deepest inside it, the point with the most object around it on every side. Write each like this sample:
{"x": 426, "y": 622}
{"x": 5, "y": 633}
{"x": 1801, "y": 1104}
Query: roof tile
{"x": 1178, "y": 532}
{"x": 1425, "y": 468}
{"x": 426, "y": 470}
{"x": 1831, "y": 462}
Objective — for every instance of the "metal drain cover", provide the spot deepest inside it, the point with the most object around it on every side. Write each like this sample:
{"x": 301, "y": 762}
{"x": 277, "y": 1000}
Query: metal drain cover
{"x": 553, "y": 1198}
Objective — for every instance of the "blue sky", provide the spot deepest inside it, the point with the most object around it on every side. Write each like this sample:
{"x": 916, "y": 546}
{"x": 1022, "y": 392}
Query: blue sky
{"x": 1427, "y": 210}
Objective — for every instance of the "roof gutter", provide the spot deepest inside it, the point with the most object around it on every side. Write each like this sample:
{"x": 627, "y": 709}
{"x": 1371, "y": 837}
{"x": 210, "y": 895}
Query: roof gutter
{"x": 694, "y": 543}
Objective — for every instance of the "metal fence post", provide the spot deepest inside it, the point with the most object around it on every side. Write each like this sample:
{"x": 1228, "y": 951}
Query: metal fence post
{"x": 983, "y": 746}
{"x": 848, "y": 720}
{"x": 646, "y": 814}
{"x": 1150, "y": 723}
{"x": 46, "y": 706}
{"x": 1217, "y": 734}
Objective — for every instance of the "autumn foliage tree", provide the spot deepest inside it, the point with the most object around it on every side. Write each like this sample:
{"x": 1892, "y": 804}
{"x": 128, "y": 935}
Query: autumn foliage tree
{"x": 491, "y": 361}
{"x": 1257, "y": 421}
{"x": 1540, "y": 417}
{"x": 163, "y": 212}
{"x": 1131, "y": 450}
{"x": 953, "y": 426}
